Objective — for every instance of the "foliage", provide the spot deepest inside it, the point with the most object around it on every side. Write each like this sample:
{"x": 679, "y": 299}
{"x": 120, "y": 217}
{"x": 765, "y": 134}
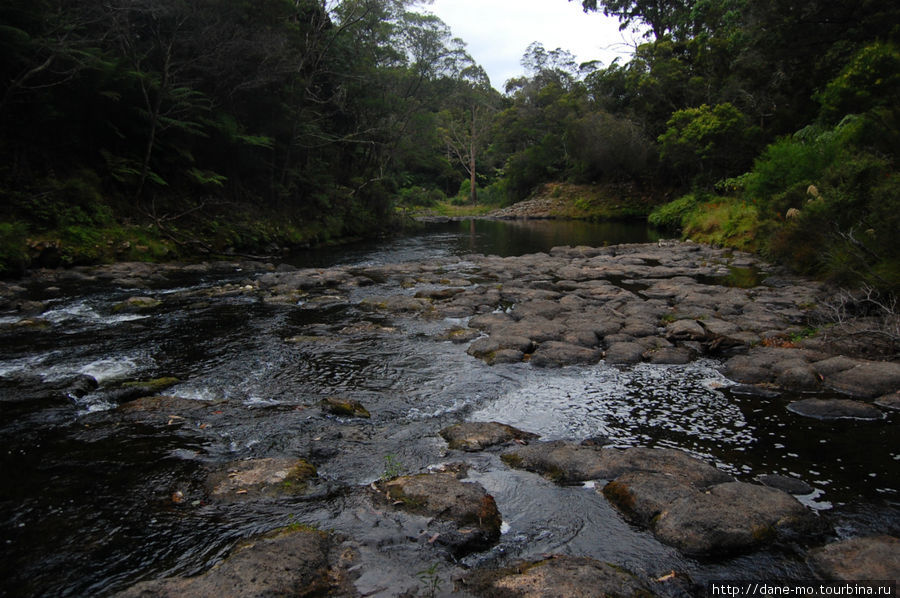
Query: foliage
{"x": 672, "y": 215}
{"x": 727, "y": 222}
{"x": 12, "y": 246}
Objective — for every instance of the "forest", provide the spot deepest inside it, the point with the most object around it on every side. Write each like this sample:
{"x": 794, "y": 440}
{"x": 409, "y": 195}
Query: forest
{"x": 154, "y": 129}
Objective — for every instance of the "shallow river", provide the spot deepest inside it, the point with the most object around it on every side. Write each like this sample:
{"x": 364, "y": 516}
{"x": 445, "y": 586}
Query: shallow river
{"x": 85, "y": 495}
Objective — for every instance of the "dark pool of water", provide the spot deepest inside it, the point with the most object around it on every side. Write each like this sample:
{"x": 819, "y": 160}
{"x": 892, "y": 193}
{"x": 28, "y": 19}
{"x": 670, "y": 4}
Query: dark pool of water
{"x": 85, "y": 507}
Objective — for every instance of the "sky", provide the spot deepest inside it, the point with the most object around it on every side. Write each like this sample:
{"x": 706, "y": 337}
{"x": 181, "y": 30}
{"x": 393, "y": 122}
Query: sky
{"x": 499, "y": 31}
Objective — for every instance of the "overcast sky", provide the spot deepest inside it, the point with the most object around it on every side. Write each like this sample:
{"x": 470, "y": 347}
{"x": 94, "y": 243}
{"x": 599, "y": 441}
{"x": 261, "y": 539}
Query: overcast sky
{"x": 499, "y": 31}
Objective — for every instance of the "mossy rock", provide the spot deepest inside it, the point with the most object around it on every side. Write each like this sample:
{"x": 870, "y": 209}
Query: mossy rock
{"x": 152, "y": 386}
{"x": 344, "y": 407}
{"x": 257, "y": 478}
{"x": 137, "y": 304}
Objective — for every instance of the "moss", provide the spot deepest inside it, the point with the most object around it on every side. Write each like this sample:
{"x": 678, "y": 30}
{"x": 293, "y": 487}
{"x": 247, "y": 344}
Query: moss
{"x": 620, "y": 497}
{"x": 344, "y": 407}
{"x": 512, "y": 460}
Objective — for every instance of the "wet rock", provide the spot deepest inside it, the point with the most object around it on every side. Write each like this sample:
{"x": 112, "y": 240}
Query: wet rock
{"x": 831, "y": 409}
{"x": 438, "y": 294}
{"x": 476, "y": 436}
{"x": 798, "y": 377}
{"x": 81, "y": 386}
{"x": 875, "y": 558}
{"x": 558, "y": 576}
{"x": 490, "y": 321}
{"x": 889, "y": 401}
{"x": 472, "y": 512}
{"x": 565, "y": 462}
{"x": 396, "y": 304}
{"x": 641, "y": 495}
{"x": 344, "y": 407}
{"x": 256, "y": 478}
{"x": 834, "y": 365}
{"x": 149, "y": 387}
{"x": 459, "y": 335}
{"x": 868, "y": 379}
{"x": 560, "y": 461}
{"x": 670, "y": 355}
{"x": 672, "y": 462}
{"x": 486, "y": 348}
{"x": 685, "y": 330}
{"x": 169, "y": 411}
{"x": 137, "y": 304}
{"x": 624, "y": 353}
{"x": 788, "y": 484}
{"x": 558, "y": 354}
{"x": 748, "y": 390}
{"x": 538, "y": 329}
{"x": 732, "y": 517}
{"x": 299, "y": 562}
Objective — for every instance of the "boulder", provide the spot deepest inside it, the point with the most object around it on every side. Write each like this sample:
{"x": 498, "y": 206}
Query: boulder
{"x": 295, "y": 562}
{"x": 477, "y": 436}
{"x": 483, "y": 348}
{"x": 642, "y": 495}
{"x": 874, "y": 557}
{"x": 889, "y": 401}
{"x": 788, "y": 484}
{"x": 732, "y": 517}
{"x": 471, "y": 512}
{"x": 256, "y": 478}
{"x": 831, "y": 409}
{"x": 137, "y": 304}
{"x": 868, "y": 379}
{"x": 685, "y": 330}
{"x": 624, "y": 353}
{"x": 557, "y": 576}
{"x": 558, "y": 354}
{"x": 670, "y": 355}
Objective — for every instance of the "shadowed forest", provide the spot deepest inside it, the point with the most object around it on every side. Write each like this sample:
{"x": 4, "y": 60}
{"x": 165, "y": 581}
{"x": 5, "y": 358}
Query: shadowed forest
{"x": 156, "y": 129}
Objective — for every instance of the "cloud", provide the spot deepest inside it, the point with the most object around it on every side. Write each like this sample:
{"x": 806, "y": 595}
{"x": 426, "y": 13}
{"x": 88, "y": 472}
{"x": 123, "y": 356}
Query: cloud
{"x": 499, "y": 31}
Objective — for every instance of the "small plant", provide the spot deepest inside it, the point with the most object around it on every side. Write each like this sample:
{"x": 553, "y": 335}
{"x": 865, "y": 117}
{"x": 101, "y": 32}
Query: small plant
{"x": 430, "y": 580}
{"x": 392, "y": 467}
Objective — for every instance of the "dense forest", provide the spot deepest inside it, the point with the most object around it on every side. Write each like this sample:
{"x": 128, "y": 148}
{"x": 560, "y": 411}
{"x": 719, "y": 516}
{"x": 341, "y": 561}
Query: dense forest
{"x": 148, "y": 129}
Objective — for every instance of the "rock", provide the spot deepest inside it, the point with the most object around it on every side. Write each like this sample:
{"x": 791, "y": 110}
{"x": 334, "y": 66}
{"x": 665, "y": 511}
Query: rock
{"x": 558, "y": 576}
{"x": 874, "y": 558}
{"x": 889, "y": 401}
{"x": 831, "y": 409}
{"x": 685, "y": 330}
{"x": 560, "y": 461}
{"x": 299, "y": 562}
{"x": 565, "y": 462}
{"x": 624, "y": 353}
{"x": 459, "y": 335}
{"x": 344, "y": 407}
{"x": 471, "y": 511}
{"x": 788, "y": 484}
{"x": 834, "y": 365}
{"x": 798, "y": 377}
{"x": 137, "y": 304}
{"x": 485, "y": 348}
{"x": 537, "y": 329}
{"x": 748, "y": 390}
{"x": 150, "y": 387}
{"x": 868, "y": 379}
{"x": 558, "y": 354}
{"x": 670, "y": 355}
{"x": 476, "y": 436}
{"x": 641, "y": 495}
{"x": 169, "y": 411}
{"x": 255, "y": 478}
{"x": 81, "y": 386}
{"x": 732, "y": 517}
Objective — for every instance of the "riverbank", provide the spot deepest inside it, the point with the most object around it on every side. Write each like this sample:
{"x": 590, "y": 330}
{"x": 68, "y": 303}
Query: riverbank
{"x": 569, "y": 334}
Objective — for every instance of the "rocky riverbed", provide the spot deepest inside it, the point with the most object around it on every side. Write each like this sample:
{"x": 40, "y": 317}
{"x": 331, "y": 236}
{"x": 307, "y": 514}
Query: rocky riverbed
{"x": 579, "y": 310}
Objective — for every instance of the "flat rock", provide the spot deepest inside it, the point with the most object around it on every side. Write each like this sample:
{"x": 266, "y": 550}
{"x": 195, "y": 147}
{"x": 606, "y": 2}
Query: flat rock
{"x": 624, "y": 353}
{"x": 732, "y": 517}
{"x": 670, "y": 355}
{"x": 256, "y": 478}
{"x": 565, "y": 462}
{"x": 642, "y": 495}
{"x": 470, "y": 510}
{"x": 477, "y": 436}
{"x": 484, "y": 348}
{"x": 788, "y": 484}
{"x": 685, "y": 330}
{"x": 868, "y": 379}
{"x": 556, "y": 577}
{"x": 293, "y": 563}
{"x": 889, "y": 401}
{"x": 831, "y": 409}
{"x": 875, "y": 557}
{"x": 558, "y": 354}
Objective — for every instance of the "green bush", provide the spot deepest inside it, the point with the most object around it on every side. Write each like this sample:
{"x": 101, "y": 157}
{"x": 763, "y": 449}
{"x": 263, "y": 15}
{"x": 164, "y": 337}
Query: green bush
{"x": 13, "y": 237}
{"x": 673, "y": 214}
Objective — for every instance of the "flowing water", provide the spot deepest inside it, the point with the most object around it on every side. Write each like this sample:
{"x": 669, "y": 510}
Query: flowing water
{"x": 85, "y": 498}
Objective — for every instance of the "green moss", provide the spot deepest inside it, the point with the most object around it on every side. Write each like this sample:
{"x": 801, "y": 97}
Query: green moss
{"x": 344, "y": 407}
{"x": 154, "y": 385}
{"x": 512, "y": 460}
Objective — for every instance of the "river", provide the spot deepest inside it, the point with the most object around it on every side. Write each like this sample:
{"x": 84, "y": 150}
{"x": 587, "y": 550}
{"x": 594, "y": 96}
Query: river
{"x": 86, "y": 505}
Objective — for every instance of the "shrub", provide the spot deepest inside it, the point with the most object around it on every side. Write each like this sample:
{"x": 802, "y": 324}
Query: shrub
{"x": 672, "y": 215}
{"x": 13, "y": 258}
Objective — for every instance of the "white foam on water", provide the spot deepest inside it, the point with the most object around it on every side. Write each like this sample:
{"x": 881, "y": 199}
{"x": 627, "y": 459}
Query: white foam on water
{"x": 112, "y": 368}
